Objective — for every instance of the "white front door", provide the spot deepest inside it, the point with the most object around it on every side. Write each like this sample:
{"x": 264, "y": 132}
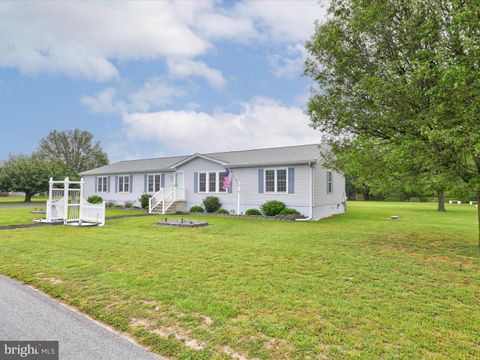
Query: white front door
{"x": 179, "y": 179}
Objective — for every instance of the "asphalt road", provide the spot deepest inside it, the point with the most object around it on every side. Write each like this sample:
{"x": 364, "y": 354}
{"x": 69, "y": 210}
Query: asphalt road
{"x": 26, "y": 314}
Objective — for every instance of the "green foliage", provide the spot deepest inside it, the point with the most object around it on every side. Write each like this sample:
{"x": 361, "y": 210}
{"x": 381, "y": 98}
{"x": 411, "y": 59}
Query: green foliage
{"x": 29, "y": 174}
{"x": 145, "y": 200}
{"x": 74, "y": 148}
{"x": 272, "y": 207}
{"x": 253, "y": 212}
{"x": 222, "y": 211}
{"x": 197, "y": 209}
{"x": 212, "y": 204}
{"x": 289, "y": 211}
{"x": 95, "y": 199}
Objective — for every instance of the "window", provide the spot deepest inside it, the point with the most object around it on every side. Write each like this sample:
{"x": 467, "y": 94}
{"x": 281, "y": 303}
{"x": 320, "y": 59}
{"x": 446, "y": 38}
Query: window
{"x": 102, "y": 184}
{"x": 329, "y": 182}
{"x": 276, "y": 181}
{"x": 202, "y": 180}
{"x": 124, "y": 183}
{"x": 154, "y": 183}
{"x": 211, "y": 182}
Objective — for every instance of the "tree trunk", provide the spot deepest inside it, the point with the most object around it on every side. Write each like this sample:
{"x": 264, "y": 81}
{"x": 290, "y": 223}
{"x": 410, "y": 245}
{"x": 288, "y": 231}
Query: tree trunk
{"x": 28, "y": 197}
{"x": 441, "y": 200}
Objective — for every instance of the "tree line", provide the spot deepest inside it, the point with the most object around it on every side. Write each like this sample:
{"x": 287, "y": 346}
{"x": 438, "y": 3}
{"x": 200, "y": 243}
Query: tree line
{"x": 59, "y": 154}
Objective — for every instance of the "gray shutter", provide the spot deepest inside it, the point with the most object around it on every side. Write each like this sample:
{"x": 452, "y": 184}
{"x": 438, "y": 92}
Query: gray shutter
{"x": 195, "y": 182}
{"x": 96, "y": 184}
{"x": 116, "y": 183}
{"x": 291, "y": 180}
{"x": 145, "y": 179}
{"x": 131, "y": 183}
{"x": 108, "y": 183}
{"x": 260, "y": 181}
{"x": 162, "y": 180}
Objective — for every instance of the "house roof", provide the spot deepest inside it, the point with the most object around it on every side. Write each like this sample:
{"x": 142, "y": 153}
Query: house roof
{"x": 299, "y": 154}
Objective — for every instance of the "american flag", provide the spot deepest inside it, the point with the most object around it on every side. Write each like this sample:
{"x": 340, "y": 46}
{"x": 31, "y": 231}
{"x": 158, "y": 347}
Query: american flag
{"x": 227, "y": 179}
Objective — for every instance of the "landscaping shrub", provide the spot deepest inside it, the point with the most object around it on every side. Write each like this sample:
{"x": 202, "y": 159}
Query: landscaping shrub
{"x": 289, "y": 211}
{"x": 196, "y": 209}
{"x": 128, "y": 204}
{"x": 222, "y": 211}
{"x": 144, "y": 200}
{"x": 212, "y": 204}
{"x": 272, "y": 207}
{"x": 253, "y": 212}
{"x": 110, "y": 204}
{"x": 95, "y": 199}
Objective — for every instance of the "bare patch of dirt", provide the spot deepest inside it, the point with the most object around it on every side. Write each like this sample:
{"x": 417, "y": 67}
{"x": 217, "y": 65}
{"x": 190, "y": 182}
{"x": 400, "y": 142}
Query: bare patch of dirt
{"x": 232, "y": 353}
{"x": 140, "y": 323}
{"x": 55, "y": 281}
{"x": 180, "y": 335}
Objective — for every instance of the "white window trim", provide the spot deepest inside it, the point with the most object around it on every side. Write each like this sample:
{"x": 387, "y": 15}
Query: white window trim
{"x": 104, "y": 181}
{"x": 207, "y": 182}
{"x": 275, "y": 181}
{"x": 153, "y": 174}
{"x": 329, "y": 174}
{"x": 118, "y": 184}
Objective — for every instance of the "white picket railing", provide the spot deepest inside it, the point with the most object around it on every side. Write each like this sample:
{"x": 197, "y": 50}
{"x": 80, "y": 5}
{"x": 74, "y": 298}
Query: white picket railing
{"x": 166, "y": 198}
{"x": 93, "y": 213}
{"x": 55, "y": 210}
{"x": 155, "y": 200}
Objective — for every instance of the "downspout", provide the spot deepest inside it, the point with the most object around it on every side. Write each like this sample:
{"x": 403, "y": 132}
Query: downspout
{"x": 311, "y": 195}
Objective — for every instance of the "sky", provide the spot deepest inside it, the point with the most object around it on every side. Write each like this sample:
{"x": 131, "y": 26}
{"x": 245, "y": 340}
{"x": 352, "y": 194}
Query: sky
{"x": 152, "y": 79}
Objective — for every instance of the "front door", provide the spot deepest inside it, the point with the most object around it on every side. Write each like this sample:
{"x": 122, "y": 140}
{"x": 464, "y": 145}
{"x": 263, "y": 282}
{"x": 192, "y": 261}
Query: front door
{"x": 179, "y": 179}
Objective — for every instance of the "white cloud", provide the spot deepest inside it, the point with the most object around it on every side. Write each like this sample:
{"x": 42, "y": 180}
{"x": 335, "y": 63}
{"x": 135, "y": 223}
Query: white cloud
{"x": 155, "y": 93}
{"x": 186, "y": 68}
{"x": 289, "y": 65}
{"x": 262, "y": 122}
{"x": 84, "y": 39}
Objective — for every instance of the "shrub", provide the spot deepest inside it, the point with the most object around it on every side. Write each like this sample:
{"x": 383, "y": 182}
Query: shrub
{"x": 289, "y": 211}
{"x": 222, "y": 211}
{"x": 144, "y": 201}
{"x": 196, "y": 209}
{"x": 272, "y": 207}
{"x": 95, "y": 199}
{"x": 212, "y": 204}
{"x": 110, "y": 204}
{"x": 128, "y": 204}
{"x": 253, "y": 212}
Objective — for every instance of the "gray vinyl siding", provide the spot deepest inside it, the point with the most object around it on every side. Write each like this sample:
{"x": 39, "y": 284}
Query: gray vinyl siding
{"x": 327, "y": 204}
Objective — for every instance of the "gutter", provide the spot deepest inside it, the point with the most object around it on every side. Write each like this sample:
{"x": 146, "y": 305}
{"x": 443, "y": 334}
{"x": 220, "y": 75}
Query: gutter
{"x": 311, "y": 195}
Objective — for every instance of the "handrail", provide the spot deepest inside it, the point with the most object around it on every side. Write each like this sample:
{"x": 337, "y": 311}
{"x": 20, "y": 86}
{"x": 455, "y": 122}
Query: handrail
{"x": 174, "y": 191}
{"x": 154, "y": 197}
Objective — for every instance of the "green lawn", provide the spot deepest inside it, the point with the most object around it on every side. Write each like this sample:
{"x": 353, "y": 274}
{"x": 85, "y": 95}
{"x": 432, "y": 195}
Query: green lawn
{"x": 23, "y": 215}
{"x": 20, "y": 199}
{"x": 353, "y": 286}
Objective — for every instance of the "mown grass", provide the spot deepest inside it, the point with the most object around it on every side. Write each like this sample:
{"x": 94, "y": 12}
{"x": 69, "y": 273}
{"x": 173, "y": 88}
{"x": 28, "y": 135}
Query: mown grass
{"x": 20, "y": 199}
{"x": 357, "y": 285}
{"x": 23, "y": 215}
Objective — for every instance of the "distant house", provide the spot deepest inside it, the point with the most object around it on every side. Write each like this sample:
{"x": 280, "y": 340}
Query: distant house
{"x": 293, "y": 175}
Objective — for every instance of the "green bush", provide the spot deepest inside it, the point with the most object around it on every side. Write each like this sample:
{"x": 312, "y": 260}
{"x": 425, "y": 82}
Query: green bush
{"x": 144, "y": 201}
{"x": 253, "y": 212}
{"x": 272, "y": 207}
{"x": 212, "y": 204}
{"x": 196, "y": 209}
{"x": 95, "y": 199}
{"x": 222, "y": 211}
{"x": 289, "y": 211}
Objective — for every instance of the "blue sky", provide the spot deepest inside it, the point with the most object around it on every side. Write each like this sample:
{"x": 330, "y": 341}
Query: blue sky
{"x": 156, "y": 78}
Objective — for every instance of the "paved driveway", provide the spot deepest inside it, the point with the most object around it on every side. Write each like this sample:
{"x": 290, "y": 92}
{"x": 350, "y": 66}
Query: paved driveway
{"x": 26, "y": 314}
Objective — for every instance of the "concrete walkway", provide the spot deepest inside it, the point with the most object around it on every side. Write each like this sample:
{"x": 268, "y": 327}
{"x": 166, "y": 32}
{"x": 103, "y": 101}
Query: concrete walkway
{"x": 27, "y": 314}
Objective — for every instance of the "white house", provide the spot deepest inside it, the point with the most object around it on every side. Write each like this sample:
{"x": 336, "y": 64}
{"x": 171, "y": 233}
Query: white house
{"x": 293, "y": 175}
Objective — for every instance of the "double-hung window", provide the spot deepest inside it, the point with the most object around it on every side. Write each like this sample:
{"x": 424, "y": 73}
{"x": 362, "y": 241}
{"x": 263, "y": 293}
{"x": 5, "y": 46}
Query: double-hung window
{"x": 211, "y": 182}
{"x": 154, "y": 183}
{"x": 202, "y": 182}
{"x": 124, "y": 183}
{"x": 102, "y": 184}
{"x": 276, "y": 181}
{"x": 329, "y": 182}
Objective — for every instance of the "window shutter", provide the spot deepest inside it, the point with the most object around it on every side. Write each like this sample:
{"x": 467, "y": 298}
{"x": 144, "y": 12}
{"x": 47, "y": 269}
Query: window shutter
{"x": 291, "y": 180}
{"x": 131, "y": 183}
{"x": 116, "y": 183}
{"x": 162, "y": 180}
{"x": 260, "y": 181}
{"x": 145, "y": 183}
{"x": 108, "y": 183}
{"x": 195, "y": 182}
{"x": 96, "y": 184}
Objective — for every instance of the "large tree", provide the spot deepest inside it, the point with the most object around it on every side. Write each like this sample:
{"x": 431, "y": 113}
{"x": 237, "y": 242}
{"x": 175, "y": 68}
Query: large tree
{"x": 29, "y": 174}
{"x": 404, "y": 73}
{"x": 75, "y": 148}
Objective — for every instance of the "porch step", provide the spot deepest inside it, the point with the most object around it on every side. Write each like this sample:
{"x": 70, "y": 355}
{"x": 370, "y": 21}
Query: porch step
{"x": 176, "y": 206}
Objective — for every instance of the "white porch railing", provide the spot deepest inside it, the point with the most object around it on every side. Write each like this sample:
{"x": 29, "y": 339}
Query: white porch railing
{"x": 166, "y": 198}
{"x": 93, "y": 213}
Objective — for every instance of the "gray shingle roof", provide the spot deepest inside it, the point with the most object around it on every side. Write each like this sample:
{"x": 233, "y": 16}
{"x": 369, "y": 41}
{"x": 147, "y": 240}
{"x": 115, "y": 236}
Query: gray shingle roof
{"x": 270, "y": 156}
